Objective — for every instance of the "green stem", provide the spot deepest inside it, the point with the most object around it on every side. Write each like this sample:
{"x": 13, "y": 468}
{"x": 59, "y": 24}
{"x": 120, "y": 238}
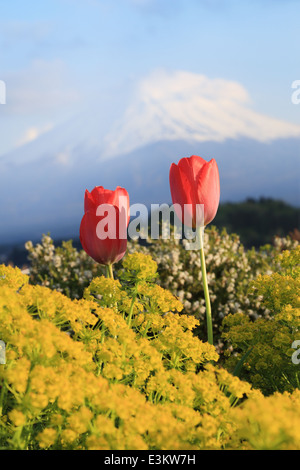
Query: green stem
{"x": 131, "y": 310}
{"x": 109, "y": 271}
{"x": 205, "y": 287}
{"x": 132, "y": 304}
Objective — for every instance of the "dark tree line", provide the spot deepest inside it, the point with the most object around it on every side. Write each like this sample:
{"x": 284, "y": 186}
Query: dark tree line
{"x": 258, "y": 221}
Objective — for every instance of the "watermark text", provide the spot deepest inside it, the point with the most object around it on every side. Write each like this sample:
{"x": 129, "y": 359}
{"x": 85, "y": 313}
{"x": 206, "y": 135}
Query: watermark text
{"x": 2, "y": 92}
{"x": 113, "y": 222}
{"x": 2, "y": 352}
{"x": 296, "y": 354}
{"x": 296, "y": 94}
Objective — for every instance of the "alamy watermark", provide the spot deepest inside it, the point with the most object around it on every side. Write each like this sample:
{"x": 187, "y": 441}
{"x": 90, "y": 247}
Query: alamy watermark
{"x": 113, "y": 225}
{"x": 2, "y": 92}
{"x": 296, "y": 354}
{"x": 296, "y": 94}
{"x": 2, "y": 352}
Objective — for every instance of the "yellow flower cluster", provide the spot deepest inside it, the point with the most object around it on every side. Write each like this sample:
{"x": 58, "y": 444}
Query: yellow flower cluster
{"x": 283, "y": 287}
{"x": 77, "y": 376}
{"x": 119, "y": 369}
{"x": 12, "y": 277}
{"x": 269, "y": 423}
{"x": 159, "y": 298}
{"x": 141, "y": 266}
{"x": 269, "y": 366}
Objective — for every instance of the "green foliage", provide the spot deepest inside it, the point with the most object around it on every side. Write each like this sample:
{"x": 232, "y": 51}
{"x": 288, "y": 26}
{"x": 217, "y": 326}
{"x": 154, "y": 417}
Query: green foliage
{"x": 96, "y": 373}
{"x": 258, "y": 221}
{"x": 230, "y": 269}
{"x": 268, "y": 341}
{"x": 120, "y": 367}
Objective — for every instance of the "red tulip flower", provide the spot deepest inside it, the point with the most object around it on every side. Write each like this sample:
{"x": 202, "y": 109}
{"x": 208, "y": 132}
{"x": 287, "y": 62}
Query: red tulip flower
{"x": 195, "y": 190}
{"x": 194, "y": 182}
{"x": 103, "y": 229}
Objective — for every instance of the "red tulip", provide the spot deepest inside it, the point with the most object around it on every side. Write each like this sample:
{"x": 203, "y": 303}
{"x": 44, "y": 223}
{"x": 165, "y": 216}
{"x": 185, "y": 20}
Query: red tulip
{"x": 195, "y": 181}
{"x": 103, "y": 229}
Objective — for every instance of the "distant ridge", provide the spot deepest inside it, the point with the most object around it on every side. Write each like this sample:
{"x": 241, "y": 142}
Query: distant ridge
{"x": 41, "y": 197}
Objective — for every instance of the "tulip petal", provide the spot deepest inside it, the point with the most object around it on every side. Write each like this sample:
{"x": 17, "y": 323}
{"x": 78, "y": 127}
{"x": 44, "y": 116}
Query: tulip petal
{"x": 208, "y": 190}
{"x": 183, "y": 191}
{"x": 100, "y": 195}
{"x": 89, "y": 202}
{"x": 123, "y": 203}
{"x": 196, "y": 163}
{"x": 107, "y": 251}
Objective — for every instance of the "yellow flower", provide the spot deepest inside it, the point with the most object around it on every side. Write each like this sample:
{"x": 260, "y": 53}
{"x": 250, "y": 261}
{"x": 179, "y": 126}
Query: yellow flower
{"x": 141, "y": 265}
{"x": 79, "y": 421}
{"x": 47, "y": 437}
{"x": 68, "y": 436}
{"x": 17, "y": 417}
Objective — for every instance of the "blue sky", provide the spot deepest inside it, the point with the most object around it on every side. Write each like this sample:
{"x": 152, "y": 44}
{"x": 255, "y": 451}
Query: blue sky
{"x": 58, "y": 55}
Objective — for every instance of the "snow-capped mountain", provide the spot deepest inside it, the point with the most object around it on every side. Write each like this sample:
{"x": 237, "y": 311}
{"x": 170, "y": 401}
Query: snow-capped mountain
{"x": 132, "y": 142}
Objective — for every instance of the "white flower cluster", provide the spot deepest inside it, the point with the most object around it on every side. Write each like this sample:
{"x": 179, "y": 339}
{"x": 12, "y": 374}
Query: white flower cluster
{"x": 62, "y": 268}
{"x": 230, "y": 270}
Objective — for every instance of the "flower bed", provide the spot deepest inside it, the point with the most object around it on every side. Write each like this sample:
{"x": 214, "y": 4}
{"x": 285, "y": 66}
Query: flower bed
{"x": 100, "y": 363}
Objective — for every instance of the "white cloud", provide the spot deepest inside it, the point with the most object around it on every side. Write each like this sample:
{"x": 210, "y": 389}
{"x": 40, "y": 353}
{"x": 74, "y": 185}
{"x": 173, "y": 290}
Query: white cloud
{"x": 188, "y": 106}
{"x": 32, "y": 133}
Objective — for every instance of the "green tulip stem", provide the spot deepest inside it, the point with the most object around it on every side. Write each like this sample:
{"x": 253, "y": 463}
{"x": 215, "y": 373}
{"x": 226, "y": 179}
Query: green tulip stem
{"x": 200, "y": 233}
{"x": 109, "y": 271}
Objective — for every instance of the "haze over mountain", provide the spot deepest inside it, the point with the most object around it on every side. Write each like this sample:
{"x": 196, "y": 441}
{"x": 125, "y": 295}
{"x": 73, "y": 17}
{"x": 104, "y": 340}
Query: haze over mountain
{"x": 132, "y": 143}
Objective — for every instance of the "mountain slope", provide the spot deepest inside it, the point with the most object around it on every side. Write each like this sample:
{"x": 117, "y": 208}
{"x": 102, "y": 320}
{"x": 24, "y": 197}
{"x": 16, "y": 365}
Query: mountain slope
{"x": 42, "y": 196}
{"x": 132, "y": 141}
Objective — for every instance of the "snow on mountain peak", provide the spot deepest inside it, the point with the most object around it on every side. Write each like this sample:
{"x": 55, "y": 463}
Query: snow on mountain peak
{"x": 164, "y": 106}
{"x": 192, "y": 107}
